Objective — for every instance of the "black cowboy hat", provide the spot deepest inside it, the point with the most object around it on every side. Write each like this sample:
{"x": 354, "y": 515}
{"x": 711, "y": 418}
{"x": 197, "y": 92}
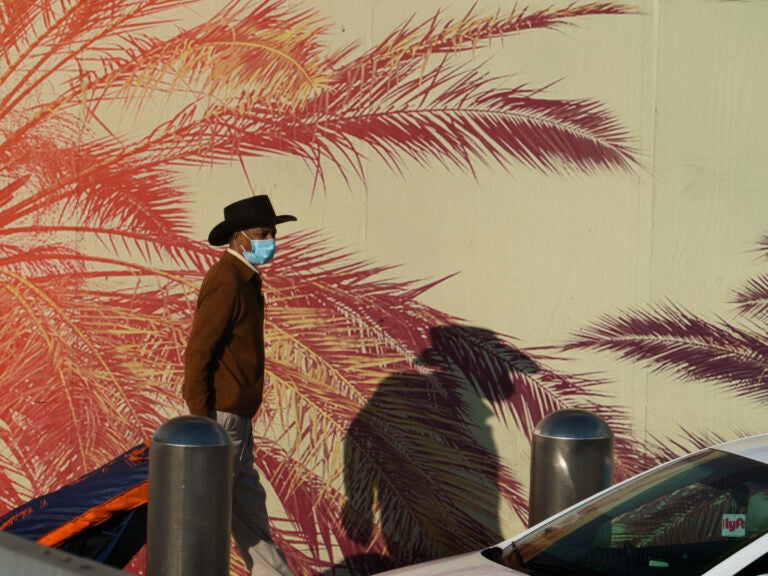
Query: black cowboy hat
{"x": 243, "y": 214}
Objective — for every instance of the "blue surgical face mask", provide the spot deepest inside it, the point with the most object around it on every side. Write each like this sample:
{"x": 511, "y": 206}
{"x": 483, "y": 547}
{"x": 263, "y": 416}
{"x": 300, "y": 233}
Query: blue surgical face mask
{"x": 261, "y": 251}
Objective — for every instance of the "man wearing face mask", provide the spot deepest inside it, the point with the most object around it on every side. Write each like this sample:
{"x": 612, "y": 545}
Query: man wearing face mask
{"x": 224, "y": 364}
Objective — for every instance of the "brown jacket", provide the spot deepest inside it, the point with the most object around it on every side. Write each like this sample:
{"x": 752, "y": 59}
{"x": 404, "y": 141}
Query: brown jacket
{"x": 224, "y": 359}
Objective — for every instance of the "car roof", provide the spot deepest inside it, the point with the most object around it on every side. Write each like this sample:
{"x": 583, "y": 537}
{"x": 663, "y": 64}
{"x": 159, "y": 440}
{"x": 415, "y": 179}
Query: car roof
{"x": 753, "y": 447}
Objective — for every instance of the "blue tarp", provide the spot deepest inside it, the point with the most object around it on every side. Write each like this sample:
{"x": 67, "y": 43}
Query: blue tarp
{"x": 102, "y": 515}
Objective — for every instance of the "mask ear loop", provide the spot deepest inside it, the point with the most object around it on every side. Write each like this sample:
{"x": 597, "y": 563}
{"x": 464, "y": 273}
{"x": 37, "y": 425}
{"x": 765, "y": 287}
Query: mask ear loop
{"x": 250, "y": 242}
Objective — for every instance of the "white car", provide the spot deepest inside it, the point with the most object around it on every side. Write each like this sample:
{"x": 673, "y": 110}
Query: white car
{"x": 704, "y": 513}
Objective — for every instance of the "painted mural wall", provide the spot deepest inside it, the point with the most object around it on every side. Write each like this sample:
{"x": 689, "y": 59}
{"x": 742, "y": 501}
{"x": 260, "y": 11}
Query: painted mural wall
{"x": 504, "y": 210}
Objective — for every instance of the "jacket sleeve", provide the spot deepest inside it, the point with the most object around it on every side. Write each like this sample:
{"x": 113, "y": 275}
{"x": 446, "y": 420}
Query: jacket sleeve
{"x": 212, "y": 322}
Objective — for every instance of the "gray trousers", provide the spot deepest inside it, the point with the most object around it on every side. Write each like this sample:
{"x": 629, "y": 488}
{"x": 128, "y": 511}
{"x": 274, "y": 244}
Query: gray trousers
{"x": 250, "y": 523}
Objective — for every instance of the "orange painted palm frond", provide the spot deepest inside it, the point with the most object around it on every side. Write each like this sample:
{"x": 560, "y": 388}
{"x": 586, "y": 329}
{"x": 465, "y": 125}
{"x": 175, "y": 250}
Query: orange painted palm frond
{"x": 63, "y": 184}
{"x": 15, "y": 21}
{"x": 96, "y": 51}
{"x": 46, "y": 41}
{"x": 86, "y": 370}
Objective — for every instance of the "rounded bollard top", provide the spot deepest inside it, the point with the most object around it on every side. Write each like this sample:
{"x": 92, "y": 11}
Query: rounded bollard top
{"x": 573, "y": 424}
{"x": 191, "y": 431}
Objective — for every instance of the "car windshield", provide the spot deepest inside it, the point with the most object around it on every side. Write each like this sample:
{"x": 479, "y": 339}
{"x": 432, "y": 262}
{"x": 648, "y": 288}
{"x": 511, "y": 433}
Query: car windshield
{"x": 681, "y": 519}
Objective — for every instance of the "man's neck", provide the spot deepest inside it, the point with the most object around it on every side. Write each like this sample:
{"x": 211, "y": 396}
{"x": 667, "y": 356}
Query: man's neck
{"x": 240, "y": 257}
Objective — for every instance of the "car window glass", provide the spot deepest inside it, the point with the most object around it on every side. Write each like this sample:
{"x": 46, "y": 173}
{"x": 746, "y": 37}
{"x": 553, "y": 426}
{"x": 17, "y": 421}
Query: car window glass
{"x": 682, "y": 519}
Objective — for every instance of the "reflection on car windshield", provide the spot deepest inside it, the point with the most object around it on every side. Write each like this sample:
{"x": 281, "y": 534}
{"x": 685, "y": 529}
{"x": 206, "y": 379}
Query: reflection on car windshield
{"x": 681, "y": 519}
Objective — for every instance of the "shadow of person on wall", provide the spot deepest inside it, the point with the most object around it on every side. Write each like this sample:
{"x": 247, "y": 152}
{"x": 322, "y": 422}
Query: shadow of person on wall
{"x": 421, "y": 472}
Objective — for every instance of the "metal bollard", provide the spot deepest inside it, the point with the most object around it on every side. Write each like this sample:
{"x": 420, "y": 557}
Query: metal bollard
{"x": 571, "y": 459}
{"x": 190, "y": 499}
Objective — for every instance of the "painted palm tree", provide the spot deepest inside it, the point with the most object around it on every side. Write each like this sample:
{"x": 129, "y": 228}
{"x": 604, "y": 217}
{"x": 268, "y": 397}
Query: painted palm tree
{"x": 669, "y": 339}
{"x": 99, "y": 273}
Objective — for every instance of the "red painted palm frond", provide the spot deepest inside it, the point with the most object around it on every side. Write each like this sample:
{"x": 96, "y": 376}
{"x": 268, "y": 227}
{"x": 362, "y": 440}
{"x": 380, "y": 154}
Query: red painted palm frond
{"x": 436, "y": 36}
{"x": 459, "y": 119}
{"x": 442, "y": 112}
{"x": 670, "y": 339}
{"x": 60, "y": 186}
{"x": 404, "y": 102}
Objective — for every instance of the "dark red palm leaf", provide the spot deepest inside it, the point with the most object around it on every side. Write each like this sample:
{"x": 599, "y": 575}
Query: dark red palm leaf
{"x": 752, "y": 298}
{"x": 669, "y": 339}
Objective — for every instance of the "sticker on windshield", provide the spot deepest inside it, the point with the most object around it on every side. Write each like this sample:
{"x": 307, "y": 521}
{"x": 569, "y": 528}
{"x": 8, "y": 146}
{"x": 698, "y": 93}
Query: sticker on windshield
{"x": 734, "y": 526}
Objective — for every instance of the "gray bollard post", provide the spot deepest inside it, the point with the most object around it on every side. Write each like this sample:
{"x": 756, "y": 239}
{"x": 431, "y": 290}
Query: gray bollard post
{"x": 571, "y": 459}
{"x": 190, "y": 499}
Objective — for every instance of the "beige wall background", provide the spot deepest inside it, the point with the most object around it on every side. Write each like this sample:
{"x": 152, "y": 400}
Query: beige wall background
{"x": 539, "y": 256}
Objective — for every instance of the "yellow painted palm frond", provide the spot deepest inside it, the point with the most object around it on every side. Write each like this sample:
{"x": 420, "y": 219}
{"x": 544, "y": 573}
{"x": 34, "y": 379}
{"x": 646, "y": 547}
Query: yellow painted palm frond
{"x": 269, "y": 54}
